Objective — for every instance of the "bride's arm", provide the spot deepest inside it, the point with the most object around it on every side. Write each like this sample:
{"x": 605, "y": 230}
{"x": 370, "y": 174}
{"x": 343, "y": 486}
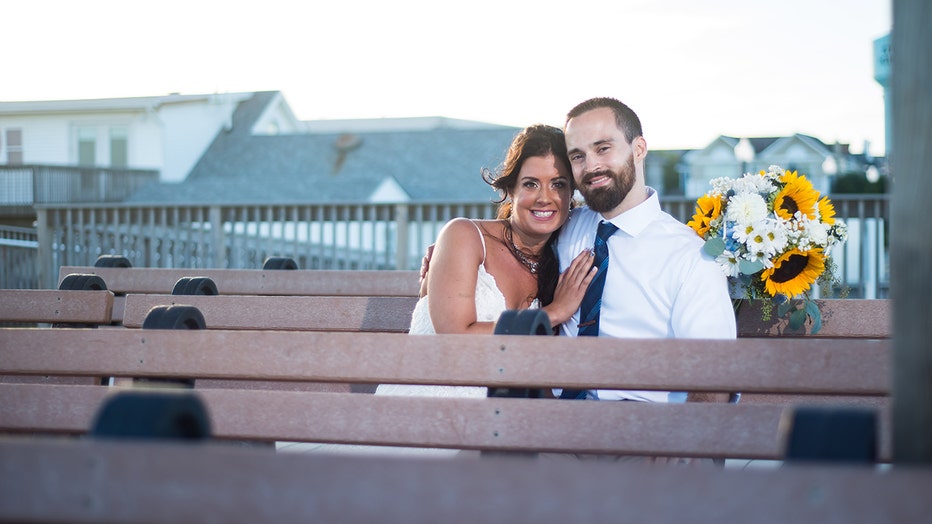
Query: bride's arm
{"x": 451, "y": 280}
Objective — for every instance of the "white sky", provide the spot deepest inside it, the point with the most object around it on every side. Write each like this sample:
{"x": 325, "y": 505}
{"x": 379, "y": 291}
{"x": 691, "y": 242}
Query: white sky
{"x": 692, "y": 69}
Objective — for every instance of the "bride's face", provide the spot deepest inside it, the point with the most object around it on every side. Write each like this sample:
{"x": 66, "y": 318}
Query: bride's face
{"x": 541, "y": 196}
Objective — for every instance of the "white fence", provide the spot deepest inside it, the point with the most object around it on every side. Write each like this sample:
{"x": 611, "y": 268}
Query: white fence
{"x": 18, "y": 248}
{"x": 343, "y": 236}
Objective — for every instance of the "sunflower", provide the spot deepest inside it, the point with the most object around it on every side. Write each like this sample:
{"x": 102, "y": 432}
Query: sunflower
{"x": 793, "y": 272}
{"x": 827, "y": 211}
{"x": 708, "y": 208}
{"x": 797, "y": 195}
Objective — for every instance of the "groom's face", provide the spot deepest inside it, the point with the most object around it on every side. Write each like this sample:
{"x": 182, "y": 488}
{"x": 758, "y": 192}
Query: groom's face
{"x": 601, "y": 158}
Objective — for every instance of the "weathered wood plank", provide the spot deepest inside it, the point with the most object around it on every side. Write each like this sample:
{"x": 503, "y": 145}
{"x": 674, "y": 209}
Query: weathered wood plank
{"x": 799, "y": 366}
{"x": 114, "y": 482}
{"x": 841, "y": 318}
{"x": 396, "y": 283}
{"x": 383, "y": 314}
{"x": 502, "y": 424}
{"x": 56, "y": 306}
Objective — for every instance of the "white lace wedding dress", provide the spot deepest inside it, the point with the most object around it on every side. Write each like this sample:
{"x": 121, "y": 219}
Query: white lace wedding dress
{"x": 490, "y": 303}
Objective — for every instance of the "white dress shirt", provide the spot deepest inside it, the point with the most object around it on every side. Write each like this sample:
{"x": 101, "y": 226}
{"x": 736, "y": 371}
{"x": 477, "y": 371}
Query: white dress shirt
{"x": 660, "y": 283}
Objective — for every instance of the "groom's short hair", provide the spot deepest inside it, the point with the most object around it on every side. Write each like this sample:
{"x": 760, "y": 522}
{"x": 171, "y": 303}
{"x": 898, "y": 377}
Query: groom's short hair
{"x": 625, "y": 118}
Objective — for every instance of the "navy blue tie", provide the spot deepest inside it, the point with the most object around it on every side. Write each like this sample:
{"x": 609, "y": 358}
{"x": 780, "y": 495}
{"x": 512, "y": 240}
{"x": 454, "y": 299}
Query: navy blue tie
{"x": 592, "y": 300}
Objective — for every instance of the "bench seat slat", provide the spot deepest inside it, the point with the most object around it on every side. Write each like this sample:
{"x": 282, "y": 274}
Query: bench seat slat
{"x": 793, "y": 366}
{"x": 632, "y": 428}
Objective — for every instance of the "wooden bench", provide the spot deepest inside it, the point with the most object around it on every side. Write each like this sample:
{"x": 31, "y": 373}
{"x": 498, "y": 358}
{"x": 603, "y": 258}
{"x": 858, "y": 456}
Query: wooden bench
{"x": 39, "y": 307}
{"x": 819, "y": 367}
{"x": 85, "y": 480}
{"x": 155, "y": 483}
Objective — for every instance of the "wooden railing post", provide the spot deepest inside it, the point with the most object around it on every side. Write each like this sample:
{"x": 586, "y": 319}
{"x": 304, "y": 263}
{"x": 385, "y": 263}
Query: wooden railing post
{"x": 47, "y": 275}
{"x": 218, "y": 240}
{"x": 401, "y": 236}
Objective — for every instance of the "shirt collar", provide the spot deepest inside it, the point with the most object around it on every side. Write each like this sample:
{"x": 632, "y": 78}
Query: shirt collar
{"x": 636, "y": 219}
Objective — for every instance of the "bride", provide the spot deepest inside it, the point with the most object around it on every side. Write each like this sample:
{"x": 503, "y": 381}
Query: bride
{"x": 480, "y": 268}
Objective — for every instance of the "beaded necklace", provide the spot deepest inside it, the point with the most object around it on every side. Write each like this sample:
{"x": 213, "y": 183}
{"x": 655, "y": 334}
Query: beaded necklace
{"x": 531, "y": 262}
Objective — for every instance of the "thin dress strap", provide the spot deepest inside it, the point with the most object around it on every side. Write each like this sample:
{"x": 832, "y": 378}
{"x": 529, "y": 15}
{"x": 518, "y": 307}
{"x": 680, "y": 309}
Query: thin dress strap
{"x": 481, "y": 239}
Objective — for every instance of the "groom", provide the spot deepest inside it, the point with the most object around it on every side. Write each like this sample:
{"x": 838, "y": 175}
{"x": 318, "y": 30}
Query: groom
{"x": 658, "y": 283}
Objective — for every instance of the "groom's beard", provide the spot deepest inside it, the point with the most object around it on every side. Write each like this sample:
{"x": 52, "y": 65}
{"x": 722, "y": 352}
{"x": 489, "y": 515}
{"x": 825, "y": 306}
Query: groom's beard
{"x": 607, "y": 198}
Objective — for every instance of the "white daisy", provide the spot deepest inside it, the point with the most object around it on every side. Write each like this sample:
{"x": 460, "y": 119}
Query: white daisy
{"x": 728, "y": 261}
{"x": 746, "y": 208}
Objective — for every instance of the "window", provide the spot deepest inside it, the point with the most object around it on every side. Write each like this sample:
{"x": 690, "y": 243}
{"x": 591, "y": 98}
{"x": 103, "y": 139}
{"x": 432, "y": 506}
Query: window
{"x": 14, "y": 147}
{"x": 119, "y": 150}
{"x": 87, "y": 146}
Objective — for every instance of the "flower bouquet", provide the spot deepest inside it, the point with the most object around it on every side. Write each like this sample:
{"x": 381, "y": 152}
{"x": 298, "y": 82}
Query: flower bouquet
{"x": 772, "y": 234}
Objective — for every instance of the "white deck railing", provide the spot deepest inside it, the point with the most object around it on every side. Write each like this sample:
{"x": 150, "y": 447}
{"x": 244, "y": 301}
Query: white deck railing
{"x": 343, "y": 236}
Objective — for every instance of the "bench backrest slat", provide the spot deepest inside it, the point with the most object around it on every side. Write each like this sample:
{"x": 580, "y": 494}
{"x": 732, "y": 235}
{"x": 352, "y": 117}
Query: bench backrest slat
{"x": 841, "y": 318}
{"x": 54, "y": 306}
{"x": 813, "y": 366}
{"x": 728, "y": 431}
{"x": 397, "y": 283}
{"x": 384, "y": 314}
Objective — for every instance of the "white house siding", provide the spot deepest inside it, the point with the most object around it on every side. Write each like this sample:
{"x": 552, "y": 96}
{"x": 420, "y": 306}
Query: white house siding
{"x": 389, "y": 192}
{"x": 799, "y": 152}
{"x": 45, "y": 139}
{"x": 793, "y": 153}
{"x": 277, "y": 119}
{"x": 715, "y": 161}
{"x": 168, "y": 133}
{"x": 188, "y": 128}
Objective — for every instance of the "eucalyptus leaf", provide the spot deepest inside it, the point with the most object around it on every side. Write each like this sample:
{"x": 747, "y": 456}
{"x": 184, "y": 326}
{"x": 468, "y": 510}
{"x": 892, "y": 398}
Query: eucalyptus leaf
{"x": 813, "y": 310}
{"x": 714, "y": 246}
{"x": 749, "y": 268}
{"x": 797, "y": 319}
{"x": 816, "y": 324}
{"x": 784, "y": 307}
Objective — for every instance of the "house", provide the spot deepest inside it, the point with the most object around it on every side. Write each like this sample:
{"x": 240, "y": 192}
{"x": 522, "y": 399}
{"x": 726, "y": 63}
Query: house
{"x": 728, "y": 156}
{"x": 233, "y": 148}
{"x": 92, "y": 151}
{"x": 265, "y": 156}
{"x": 164, "y": 133}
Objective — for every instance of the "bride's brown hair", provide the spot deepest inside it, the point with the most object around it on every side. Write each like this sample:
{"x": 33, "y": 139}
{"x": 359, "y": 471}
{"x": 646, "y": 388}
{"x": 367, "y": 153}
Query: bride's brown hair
{"x": 538, "y": 140}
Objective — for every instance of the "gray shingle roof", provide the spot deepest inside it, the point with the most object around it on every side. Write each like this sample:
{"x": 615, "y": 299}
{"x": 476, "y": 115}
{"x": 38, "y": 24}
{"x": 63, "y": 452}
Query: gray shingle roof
{"x": 441, "y": 164}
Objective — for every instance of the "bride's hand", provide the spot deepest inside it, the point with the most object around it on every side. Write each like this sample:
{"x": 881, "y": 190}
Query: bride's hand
{"x": 571, "y": 287}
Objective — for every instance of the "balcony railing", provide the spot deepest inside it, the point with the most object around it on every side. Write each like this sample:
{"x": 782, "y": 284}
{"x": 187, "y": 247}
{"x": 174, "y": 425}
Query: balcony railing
{"x": 348, "y": 236}
{"x": 22, "y": 187}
